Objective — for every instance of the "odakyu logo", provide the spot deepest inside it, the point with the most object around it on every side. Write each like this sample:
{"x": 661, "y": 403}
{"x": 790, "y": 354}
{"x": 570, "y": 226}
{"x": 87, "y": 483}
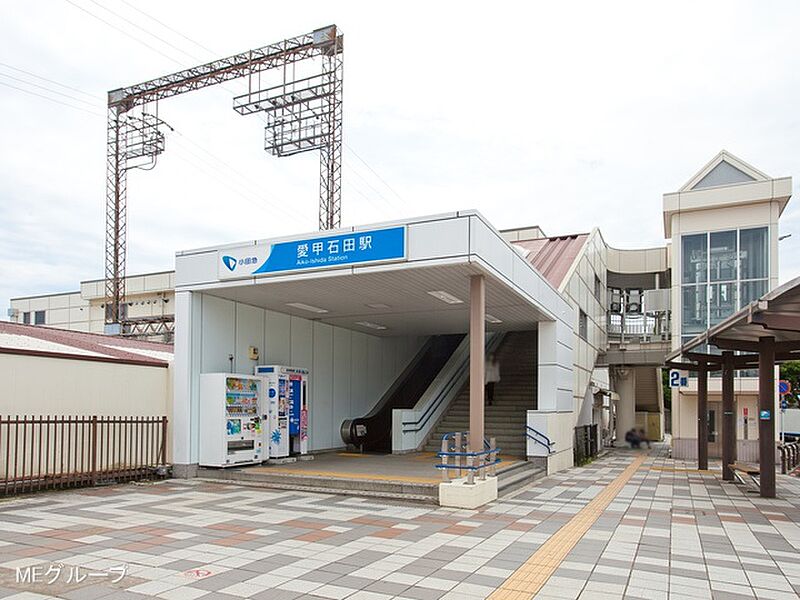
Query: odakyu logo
{"x": 229, "y": 262}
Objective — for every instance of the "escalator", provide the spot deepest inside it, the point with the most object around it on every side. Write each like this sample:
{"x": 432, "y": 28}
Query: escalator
{"x": 373, "y": 432}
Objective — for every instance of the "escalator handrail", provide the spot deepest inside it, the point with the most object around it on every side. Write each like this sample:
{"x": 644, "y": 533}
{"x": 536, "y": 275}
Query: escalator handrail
{"x": 446, "y": 389}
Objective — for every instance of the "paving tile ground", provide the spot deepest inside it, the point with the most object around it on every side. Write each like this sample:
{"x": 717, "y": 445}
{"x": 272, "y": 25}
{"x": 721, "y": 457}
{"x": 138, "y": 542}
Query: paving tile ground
{"x": 668, "y": 531}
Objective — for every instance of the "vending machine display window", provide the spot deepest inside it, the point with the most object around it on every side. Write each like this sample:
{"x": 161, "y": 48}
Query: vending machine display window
{"x": 287, "y": 397}
{"x": 233, "y": 420}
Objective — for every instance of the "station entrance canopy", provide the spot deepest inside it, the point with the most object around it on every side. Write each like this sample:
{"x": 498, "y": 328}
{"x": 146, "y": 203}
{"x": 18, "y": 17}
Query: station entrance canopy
{"x": 409, "y": 278}
{"x": 385, "y": 287}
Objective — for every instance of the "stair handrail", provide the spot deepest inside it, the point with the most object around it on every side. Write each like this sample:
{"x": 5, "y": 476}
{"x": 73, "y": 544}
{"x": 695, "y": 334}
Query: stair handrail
{"x": 443, "y": 392}
{"x": 539, "y": 438}
{"x": 446, "y": 389}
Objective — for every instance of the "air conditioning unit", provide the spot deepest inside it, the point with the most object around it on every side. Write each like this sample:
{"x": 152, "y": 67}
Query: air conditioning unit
{"x": 634, "y": 301}
{"x": 13, "y": 313}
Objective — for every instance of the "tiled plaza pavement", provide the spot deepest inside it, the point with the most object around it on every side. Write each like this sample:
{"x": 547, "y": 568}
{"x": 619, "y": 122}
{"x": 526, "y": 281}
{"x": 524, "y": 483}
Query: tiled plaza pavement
{"x": 669, "y": 531}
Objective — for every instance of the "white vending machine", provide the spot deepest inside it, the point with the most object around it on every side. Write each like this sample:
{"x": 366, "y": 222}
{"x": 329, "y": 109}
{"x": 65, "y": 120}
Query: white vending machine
{"x": 233, "y": 419}
{"x": 287, "y": 397}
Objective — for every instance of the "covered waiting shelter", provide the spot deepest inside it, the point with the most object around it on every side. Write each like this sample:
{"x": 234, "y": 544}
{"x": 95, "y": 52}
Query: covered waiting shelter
{"x": 764, "y": 333}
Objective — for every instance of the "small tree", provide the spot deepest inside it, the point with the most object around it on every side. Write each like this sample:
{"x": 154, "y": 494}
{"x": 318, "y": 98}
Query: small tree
{"x": 790, "y": 371}
{"x": 667, "y": 389}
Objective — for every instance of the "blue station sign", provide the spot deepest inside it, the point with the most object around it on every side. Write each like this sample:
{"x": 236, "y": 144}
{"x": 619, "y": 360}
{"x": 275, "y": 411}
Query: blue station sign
{"x": 352, "y": 248}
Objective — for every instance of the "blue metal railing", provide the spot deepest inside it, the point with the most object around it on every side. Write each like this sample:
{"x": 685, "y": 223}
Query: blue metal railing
{"x": 476, "y": 462}
{"x": 452, "y": 434}
{"x": 540, "y": 438}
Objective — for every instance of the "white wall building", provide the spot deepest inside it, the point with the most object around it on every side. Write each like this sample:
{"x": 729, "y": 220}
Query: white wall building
{"x": 723, "y": 228}
{"x": 149, "y": 296}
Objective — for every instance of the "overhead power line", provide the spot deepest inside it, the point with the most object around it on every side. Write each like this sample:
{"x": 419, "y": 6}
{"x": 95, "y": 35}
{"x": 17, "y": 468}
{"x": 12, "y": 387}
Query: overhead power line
{"x": 52, "y": 91}
{"x": 51, "y": 99}
{"x": 214, "y": 52}
{"x": 173, "y": 30}
{"x": 68, "y": 87}
{"x": 122, "y": 31}
{"x": 140, "y": 28}
{"x": 374, "y": 173}
{"x": 370, "y": 186}
{"x": 382, "y": 180}
{"x": 253, "y": 196}
{"x": 239, "y": 176}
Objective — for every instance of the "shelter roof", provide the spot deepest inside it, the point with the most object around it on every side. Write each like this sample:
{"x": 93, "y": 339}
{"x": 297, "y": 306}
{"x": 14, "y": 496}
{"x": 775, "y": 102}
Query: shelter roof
{"x": 776, "y": 314}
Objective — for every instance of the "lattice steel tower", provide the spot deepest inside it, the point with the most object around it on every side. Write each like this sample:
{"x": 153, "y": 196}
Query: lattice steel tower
{"x": 302, "y": 113}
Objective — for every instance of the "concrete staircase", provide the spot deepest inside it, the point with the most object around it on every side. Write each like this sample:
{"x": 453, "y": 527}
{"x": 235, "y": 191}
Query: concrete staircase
{"x": 648, "y": 387}
{"x": 510, "y": 477}
{"x": 513, "y": 396}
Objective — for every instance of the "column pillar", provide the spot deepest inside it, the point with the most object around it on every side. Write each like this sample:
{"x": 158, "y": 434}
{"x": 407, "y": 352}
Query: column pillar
{"x": 625, "y": 386}
{"x": 477, "y": 360}
{"x": 728, "y": 417}
{"x": 702, "y": 415}
{"x": 182, "y": 426}
{"x": 766, "y": 407}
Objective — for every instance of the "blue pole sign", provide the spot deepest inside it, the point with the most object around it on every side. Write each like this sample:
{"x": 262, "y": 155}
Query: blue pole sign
{"x": 765, "y": 415}
{"x": 347, "y": 249}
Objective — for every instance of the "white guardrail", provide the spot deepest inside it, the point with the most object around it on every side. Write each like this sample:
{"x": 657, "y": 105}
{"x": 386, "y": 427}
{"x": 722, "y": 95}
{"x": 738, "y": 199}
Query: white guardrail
{"x": 411, "y": 427}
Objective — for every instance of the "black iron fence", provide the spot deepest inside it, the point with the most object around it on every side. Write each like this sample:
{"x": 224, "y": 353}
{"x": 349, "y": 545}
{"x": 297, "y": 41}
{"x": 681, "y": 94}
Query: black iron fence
{"x": 44, "y": 452}
{"x": 586, "y": 444}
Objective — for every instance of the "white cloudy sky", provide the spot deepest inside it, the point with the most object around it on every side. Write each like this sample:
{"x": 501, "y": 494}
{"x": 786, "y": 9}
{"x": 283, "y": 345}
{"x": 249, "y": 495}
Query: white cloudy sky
{"x": 566, "y": 115}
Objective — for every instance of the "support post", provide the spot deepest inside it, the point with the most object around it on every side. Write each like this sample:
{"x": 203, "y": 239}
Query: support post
{"x": 93, "y": 443}
{"x": 702, "y": 416}
{"x": 445, "y": 471}
{"x": 163, "y": 440}
{"x": 458, "y": 448}
{"x": 477, "y": 360}
{"x": 728, "y": 417}
{"x": 766, "y": 415}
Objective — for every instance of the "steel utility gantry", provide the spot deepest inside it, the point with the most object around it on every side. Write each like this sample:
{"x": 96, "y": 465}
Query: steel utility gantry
{"x": 301, "y": 114}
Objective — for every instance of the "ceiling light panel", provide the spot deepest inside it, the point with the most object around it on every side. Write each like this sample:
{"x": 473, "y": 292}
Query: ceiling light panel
{"x": 307, "y": 307}
{"x": 370, "y": 325}
{"x": 446, "y": 297}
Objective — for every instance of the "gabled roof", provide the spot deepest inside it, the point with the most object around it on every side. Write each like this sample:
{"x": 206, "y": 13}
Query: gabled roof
{"x": 553, "y": 256}
{"x": 724, "y": 169}
{"x": 725, "y": 181}
{"x": 37, "y": 340}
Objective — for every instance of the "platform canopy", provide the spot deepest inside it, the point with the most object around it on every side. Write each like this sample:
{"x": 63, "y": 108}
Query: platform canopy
{"x": 775, "y": 315}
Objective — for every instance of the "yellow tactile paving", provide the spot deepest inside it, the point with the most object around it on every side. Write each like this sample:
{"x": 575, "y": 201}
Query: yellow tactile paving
{"x": 528, "y": 579}
{"x": 347, "y": 475}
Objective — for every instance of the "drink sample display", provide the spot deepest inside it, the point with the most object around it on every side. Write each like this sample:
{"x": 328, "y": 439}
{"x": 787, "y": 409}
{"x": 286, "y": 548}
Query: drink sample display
{"x": 232, "y": 425}
{"x": 287, "y": 397}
